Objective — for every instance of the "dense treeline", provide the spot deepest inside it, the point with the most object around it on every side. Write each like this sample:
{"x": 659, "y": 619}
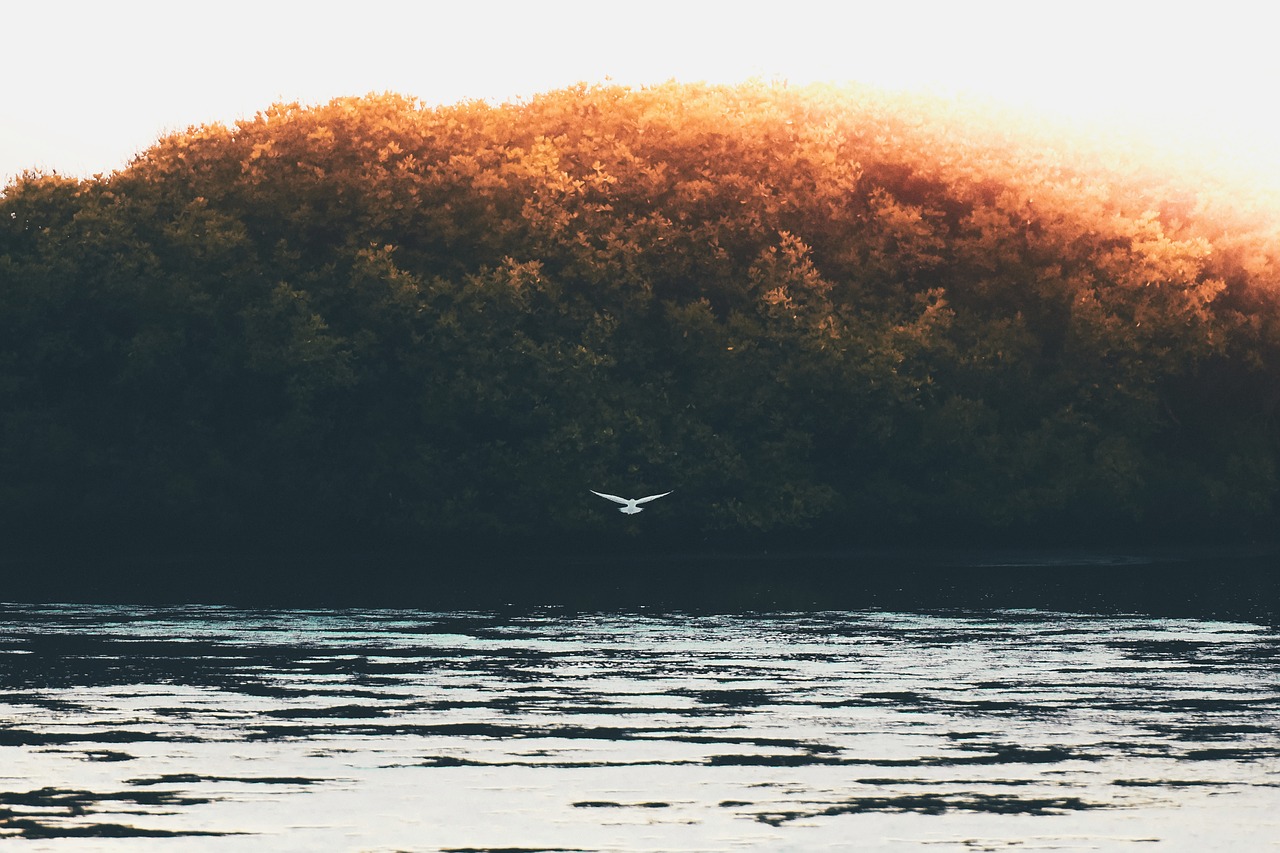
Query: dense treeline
{"x": 821, "y": 312}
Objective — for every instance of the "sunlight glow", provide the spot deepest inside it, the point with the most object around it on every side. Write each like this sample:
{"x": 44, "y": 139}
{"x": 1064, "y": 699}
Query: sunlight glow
{"x": 92, "y": 84}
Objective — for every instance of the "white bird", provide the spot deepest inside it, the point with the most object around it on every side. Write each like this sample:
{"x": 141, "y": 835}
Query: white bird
{"x": 629, "y": 505}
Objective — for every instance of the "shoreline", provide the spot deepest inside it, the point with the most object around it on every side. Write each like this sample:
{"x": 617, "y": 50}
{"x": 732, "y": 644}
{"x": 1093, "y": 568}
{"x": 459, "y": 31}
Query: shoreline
{"x": 1238, "y": 580}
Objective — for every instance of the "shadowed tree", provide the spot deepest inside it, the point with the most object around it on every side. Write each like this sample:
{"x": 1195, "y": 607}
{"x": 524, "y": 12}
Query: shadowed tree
{"x": 814, "y": 312}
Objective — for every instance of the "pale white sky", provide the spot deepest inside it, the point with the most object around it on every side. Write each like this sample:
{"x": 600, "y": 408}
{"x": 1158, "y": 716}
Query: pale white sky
{"x": 86, "y": 85}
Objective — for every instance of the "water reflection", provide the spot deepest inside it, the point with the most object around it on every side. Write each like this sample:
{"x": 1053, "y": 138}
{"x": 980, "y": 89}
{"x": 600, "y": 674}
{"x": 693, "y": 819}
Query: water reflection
{"x": 384, "y": 729}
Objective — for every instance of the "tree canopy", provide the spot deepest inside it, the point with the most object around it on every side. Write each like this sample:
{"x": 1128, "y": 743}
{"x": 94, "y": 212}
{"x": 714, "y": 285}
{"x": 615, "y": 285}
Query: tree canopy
{"x": 823, "y": 313}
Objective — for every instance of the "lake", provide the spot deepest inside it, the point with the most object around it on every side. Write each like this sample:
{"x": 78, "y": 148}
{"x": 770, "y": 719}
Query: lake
{"x": 521, "y": 728}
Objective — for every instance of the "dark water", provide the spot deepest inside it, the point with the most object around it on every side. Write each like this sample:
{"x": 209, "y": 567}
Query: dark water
{"x": 218, "y": 728}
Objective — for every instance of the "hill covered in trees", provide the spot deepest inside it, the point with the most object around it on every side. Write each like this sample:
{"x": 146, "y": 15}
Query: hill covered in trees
{"x": 822, "y": 314}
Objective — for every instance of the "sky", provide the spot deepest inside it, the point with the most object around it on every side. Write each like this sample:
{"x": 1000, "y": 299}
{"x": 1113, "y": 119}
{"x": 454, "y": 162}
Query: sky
{"x": 88, "y": 85}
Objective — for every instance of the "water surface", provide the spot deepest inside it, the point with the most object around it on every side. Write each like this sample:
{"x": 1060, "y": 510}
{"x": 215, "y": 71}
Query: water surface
{"x": 222, "y": 728}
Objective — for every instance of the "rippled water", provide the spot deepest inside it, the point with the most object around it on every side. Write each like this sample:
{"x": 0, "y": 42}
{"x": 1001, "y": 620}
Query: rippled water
{"x": 216, "y": 728}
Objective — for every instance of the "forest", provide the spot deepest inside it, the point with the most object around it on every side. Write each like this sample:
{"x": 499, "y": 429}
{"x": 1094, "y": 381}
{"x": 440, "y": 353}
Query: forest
{"x": 821, "y": 315}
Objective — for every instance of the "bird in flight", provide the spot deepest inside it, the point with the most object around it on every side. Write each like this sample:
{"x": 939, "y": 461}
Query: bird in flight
{"x": 629, "y": 505}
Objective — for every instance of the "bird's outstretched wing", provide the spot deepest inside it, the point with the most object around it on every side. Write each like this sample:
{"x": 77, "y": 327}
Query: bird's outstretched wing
{"x": 652, "y": 497}
{"x": 613, "y": 498}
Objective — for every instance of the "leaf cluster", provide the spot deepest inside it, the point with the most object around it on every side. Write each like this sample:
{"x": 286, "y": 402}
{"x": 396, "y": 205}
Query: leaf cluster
{"x": 819, "y": 312}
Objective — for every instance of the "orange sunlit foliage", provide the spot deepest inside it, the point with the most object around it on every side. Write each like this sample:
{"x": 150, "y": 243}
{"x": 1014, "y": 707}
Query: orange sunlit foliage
{"x": 823, "y": 309}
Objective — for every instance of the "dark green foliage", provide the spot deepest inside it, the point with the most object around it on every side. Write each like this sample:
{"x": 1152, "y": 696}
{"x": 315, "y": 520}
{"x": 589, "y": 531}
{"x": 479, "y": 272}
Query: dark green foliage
{"x": 814, "y": 312}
